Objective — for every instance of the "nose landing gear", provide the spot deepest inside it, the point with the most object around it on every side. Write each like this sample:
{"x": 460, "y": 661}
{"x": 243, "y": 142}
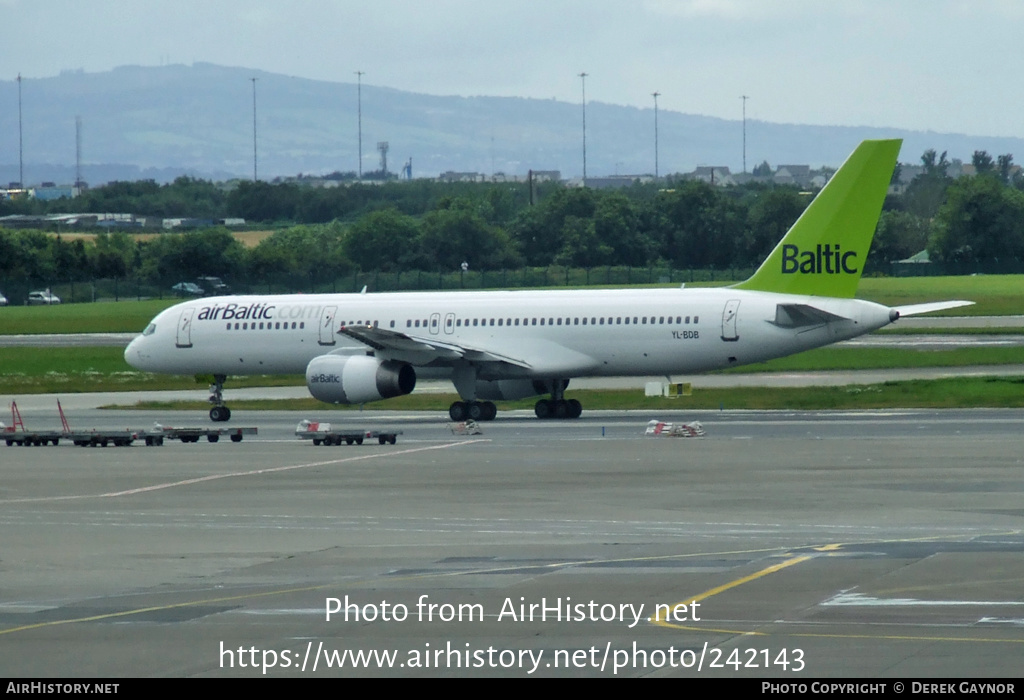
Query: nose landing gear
{"x": 219, "y": 413}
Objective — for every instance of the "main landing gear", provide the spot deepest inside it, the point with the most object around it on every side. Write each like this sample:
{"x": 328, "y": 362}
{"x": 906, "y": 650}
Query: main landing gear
{"x": 474, "y": 410}
{"x": 219, "y": 413}
{"x": 557, "y": 407}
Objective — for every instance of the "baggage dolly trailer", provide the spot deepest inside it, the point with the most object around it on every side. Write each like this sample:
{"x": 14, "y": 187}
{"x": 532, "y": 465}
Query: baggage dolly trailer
{"x": 325, "y": 434}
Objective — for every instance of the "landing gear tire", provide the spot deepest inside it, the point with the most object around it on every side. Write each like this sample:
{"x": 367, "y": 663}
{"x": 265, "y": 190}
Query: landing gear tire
{"x": 559, "y": 409}
{"x": 472, "y": 410}
{"x": 220, "y": 414}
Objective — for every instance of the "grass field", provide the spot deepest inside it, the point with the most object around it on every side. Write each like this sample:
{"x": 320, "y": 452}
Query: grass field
{"x": 249, "y": 239}
{"x": 87, "y": 369}
{"x": 100, "y": 317}
{"x": 995, "y": 295}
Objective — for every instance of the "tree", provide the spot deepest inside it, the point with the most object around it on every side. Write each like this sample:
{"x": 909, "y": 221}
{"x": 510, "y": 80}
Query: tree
{"x": 982, "y": 221}
{"x": 899, "y": 235}
{"x": 581, "y": 245}
{"x": 1005, "y": 166}
{"x": 927, "y": 191}
{"x": 983, "y": 163}
{"x": 768, "y": 219}
{"x": 383, "y": 240}
{"x": 455, "y": 234}
{"x": 703, "y": 226}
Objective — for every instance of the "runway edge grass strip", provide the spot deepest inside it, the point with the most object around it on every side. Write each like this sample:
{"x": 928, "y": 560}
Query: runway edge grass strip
{"x": 957, "y": 392}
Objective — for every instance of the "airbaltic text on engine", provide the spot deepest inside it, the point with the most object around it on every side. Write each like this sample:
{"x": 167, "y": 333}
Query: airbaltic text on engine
{"x": 258, "y": 312}
{"x": 825, "y": 259}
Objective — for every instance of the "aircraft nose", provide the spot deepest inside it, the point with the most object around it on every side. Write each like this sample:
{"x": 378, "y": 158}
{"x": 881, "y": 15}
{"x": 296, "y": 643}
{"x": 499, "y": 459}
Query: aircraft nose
{"x": 133, "y": 353}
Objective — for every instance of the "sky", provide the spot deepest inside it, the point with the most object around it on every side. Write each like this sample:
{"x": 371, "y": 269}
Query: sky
{"x": 930, "y": 65}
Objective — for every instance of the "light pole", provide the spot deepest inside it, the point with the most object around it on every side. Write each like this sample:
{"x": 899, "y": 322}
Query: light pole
{"x": 359, "y": 102}
{"x": 744, "y": 98}
{"x": 21, "y": 157}
{"x": 655, "y": 96}
{"x": 583, "y": 81}
{"x": 253, "y": 129}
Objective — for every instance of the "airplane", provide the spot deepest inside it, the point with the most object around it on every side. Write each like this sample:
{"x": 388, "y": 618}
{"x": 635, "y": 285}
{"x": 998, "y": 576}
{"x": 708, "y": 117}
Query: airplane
{"x": 494, "y": 345}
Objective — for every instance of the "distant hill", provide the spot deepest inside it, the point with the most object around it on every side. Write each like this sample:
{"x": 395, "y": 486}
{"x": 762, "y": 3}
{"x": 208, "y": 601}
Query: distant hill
{"x": 160, "y": 122}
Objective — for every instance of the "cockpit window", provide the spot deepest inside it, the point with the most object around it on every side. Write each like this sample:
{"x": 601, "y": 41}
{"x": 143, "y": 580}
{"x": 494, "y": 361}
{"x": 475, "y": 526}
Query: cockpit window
{"x": 150, "y": 329}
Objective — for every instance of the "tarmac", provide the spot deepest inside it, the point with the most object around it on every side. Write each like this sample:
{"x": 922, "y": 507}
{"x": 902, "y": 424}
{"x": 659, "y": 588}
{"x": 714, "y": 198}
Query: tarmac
{"x": 785, "y": 545}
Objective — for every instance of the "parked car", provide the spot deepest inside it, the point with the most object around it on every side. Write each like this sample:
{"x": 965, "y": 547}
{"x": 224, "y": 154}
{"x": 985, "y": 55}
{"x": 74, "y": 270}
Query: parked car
{"x": 214, "y": 286}
{"x": 188, "y": 289}
{"x": 3, "y": 299}
{"x": 43, "y": 298}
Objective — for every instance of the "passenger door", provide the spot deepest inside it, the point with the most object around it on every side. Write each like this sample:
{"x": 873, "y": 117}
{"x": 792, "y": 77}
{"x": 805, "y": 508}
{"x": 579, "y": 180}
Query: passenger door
{"x": 729, "y": 332}
{"x": 327, "y": 325}
{"x": 183, "y": 339}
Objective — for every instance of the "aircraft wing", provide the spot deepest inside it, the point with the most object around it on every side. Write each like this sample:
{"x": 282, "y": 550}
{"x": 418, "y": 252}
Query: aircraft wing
{"x": 915, "y": 309}
{"x": 426, "y": 351}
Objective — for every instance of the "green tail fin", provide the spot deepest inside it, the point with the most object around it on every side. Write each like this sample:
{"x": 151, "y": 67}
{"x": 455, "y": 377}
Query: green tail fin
{"x": 823, "y": 253}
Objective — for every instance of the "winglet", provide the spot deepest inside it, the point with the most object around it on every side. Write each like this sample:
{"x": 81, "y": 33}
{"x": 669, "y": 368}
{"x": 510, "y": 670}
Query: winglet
{"x": 823, "y": 253}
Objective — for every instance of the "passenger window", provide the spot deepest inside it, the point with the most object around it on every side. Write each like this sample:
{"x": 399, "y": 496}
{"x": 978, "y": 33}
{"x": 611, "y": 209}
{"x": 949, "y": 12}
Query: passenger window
{"x": 696, "y": 319}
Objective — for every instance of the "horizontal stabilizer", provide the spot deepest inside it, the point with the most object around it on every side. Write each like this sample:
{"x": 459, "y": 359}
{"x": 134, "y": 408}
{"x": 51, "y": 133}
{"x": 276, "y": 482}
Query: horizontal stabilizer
{"x": 915, "y": 309}
{"x": 802, "y": 315}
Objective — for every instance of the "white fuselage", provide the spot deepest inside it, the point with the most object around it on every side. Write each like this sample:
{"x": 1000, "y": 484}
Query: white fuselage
{"x": 546, "y": 334}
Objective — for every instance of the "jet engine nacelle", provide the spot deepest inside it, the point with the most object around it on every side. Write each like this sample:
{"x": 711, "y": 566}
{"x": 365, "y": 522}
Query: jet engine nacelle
{"x": 512, "y": 389}
{"x": 358, "y": 378}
